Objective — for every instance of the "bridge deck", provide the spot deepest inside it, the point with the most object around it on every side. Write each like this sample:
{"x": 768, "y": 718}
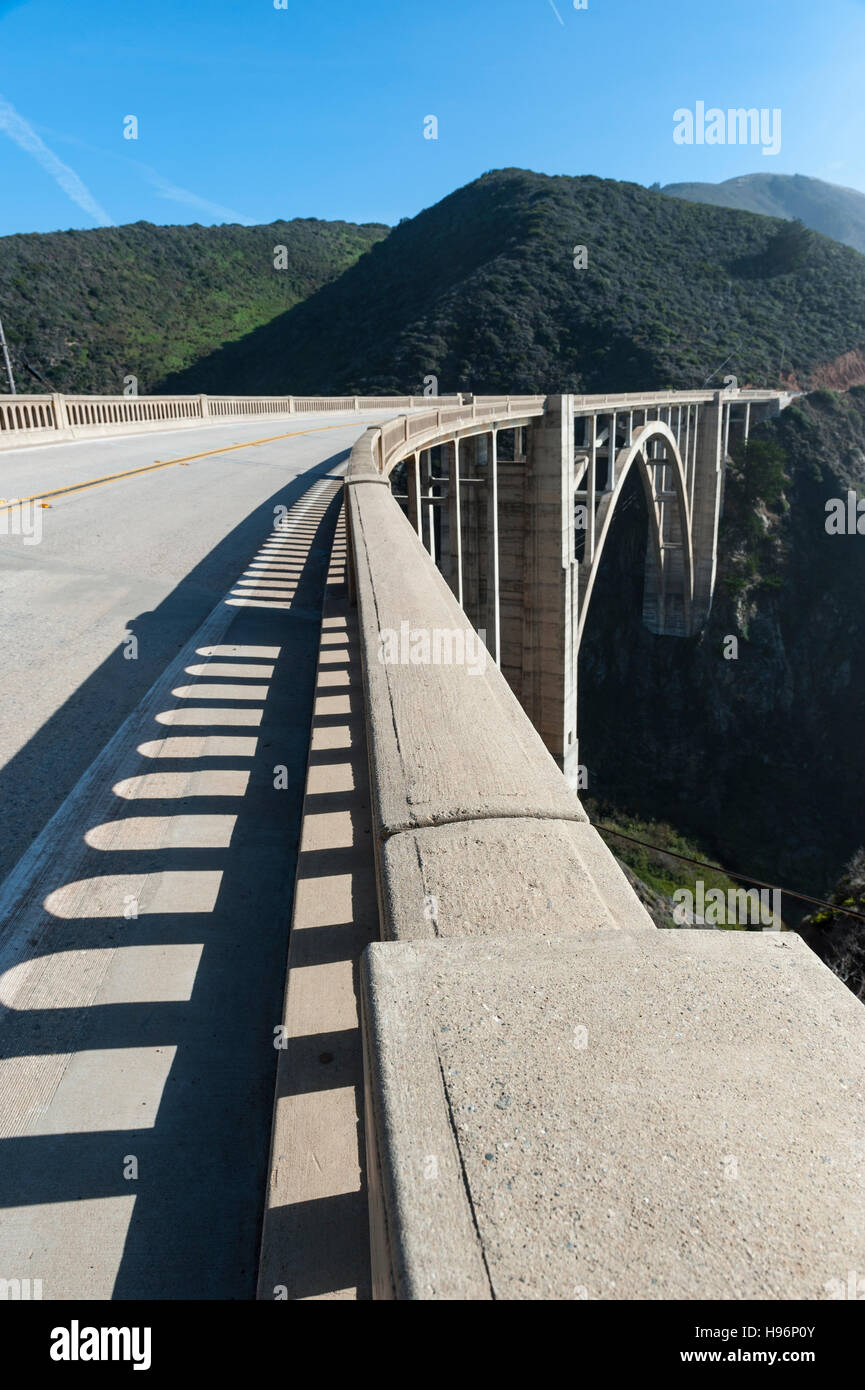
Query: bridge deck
{"x": 143, "y": 934}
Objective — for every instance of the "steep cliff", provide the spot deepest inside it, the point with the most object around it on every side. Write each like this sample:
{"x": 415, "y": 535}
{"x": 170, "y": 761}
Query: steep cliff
{"x": 760, "y": 755}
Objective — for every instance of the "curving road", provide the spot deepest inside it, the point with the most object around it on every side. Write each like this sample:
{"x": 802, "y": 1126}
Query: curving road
{"x": 155, "y": 694}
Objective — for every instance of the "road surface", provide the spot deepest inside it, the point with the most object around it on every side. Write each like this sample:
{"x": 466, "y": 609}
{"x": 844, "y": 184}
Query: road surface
{"x": 155, "y": 694}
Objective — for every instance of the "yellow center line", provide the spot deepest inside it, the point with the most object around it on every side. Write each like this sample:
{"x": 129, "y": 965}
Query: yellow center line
{"x": 167, "y": 463}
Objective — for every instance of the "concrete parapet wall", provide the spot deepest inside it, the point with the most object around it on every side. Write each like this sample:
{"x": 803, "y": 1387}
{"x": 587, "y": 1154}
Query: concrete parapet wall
{"x": 449, "y": 741}
{"x": 613, "y": 1115}
{"x": 492, "y": 877}
{"x": 461, "y": 781}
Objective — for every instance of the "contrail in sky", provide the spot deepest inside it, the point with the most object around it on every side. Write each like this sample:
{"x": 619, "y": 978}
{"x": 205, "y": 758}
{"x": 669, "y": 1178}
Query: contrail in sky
{"x": 24, "y": 135}
{"x": 164, "y": 187}
{"x": 183, "y": 195}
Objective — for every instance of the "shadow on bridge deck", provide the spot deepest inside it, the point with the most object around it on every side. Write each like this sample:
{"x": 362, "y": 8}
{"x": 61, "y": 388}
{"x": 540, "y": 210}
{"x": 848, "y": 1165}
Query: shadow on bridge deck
{"x": 142, "y": 974}
{"x": 316, "y": 1231}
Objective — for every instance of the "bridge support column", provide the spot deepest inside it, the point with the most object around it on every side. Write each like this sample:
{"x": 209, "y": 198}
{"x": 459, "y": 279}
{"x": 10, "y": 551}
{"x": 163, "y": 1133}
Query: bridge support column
{"x": 479, "y": 533}
{"x": 473, "y": 519}
{"x": 453, "y": 570}
{"x": 591, "y": 491}
{"x": 427, "y": 507}
{"x": 440, "y": 510}
{"x": 549, "y": 657}
{"x": 493, "y": 619}
{"x": 708, "y": 477}
{"x": 511, "y": 488}
{"x": 413, "y": 488}
{"x": 61, "y": 419}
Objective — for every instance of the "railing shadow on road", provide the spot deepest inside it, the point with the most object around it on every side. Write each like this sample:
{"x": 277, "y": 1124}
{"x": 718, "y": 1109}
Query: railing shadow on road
{"x": 178, "y": 921}
{"x": 316, "y": 1232}
{"x": 68, "y": 742}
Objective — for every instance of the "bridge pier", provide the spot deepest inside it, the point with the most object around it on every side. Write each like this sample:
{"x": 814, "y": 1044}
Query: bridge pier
{"x": 470, "y": 559}
{"x": 709, "y": 457}
{"x": 473, "y": 538}
{"x": 511, "y": 478}
{"x": 436, "y": 535}
{"x": 493, "y": 599}
{"x": 549, "y": 628}
{"x": 452, "y": 555}
{"x": 413, "y": 491}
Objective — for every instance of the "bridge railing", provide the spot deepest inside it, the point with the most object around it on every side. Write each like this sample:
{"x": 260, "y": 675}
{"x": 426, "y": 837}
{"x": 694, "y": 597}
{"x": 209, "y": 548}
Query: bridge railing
{"x": 449, "y": 742}
{"x": 399, "y": 439}
{"x": 622, "y": 400}
{"x": 57, "y": 417}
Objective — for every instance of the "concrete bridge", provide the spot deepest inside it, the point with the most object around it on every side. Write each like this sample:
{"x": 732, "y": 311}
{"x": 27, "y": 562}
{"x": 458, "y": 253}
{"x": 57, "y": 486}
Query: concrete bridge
{"x": 495, "y": 1078}
{"x": 515, "y": 503}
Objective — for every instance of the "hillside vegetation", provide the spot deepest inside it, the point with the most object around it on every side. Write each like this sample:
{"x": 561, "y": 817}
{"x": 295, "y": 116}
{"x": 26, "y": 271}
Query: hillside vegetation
{"x": 655, "y": 874}
{"x": 481, "y": 291}
{"x": 825, "y": 207}
{"x": 87, "y": 308}
{"x": 838, "y": 936}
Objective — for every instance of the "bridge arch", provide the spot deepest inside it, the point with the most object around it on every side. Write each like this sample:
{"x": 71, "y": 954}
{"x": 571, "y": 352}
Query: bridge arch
{"x": 669, "y": 576}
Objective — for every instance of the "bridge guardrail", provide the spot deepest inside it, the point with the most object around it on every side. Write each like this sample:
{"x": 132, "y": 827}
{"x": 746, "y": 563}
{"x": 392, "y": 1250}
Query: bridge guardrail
{"x": 26, "y": 419}
{"x": 432, "y": 773}
{"x": 399, "y": 438}
{"x": 54, "y": 418}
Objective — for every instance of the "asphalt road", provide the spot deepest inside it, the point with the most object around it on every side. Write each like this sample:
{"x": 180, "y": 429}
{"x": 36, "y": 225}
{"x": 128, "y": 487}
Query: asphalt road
{"x": 147, "y": 555}
{"x": 150, "y": 798}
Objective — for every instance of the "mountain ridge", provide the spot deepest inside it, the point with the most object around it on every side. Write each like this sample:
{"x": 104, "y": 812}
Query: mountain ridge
{"x": 480, "y": 291}
{"x": 87, "y": 308}
{"x": 829, "y": 208}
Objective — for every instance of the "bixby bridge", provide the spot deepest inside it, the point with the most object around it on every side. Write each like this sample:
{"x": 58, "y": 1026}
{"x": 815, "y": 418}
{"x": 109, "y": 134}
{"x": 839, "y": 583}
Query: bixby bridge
{"x": 495, "y": 1078}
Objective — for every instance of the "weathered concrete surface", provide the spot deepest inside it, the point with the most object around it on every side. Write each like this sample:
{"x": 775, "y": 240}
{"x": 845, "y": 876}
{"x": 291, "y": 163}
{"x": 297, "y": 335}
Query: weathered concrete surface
{"x": 706, "y": 514}
{"x": 497, "y": 877}
{"x": 562, "y": 1102}
{"x": 614, "y": 1115}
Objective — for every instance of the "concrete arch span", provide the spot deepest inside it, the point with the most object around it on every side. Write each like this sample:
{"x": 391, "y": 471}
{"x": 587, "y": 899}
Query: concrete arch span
{"x": 669, "y": 576}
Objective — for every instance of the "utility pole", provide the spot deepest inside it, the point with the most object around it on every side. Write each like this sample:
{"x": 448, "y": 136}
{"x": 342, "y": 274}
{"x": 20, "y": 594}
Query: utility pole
{"x": 6, "y": 359}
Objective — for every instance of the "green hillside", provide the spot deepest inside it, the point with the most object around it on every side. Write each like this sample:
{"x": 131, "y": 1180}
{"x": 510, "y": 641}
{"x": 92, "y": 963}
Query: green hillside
{"x": 481, "y": 291}
{"x": 825, "y": 207}
{"x": 86, "y": 308}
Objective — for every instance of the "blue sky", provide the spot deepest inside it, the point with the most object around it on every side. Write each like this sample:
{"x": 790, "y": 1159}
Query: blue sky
{"x": 251, "y": 113}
